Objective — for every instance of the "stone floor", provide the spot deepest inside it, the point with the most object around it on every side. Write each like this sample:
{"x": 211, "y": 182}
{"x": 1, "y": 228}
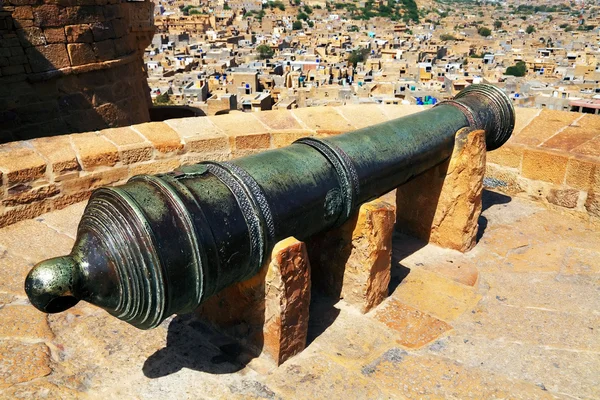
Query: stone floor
{"x": 517, "y": 317}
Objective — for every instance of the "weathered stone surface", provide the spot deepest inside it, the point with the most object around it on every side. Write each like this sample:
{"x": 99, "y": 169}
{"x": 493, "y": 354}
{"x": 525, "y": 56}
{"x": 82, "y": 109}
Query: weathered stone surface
{"x": 64, "y": 221}
{"x": 20, "y": 362}
{"x": 28, "y": 195}
{"x": 592, "y": 204}
{"x": 532, "y": 334}
{"x": 563, "y": 197}
{"x": 79, "y": 33}
{"x": 545, "y": 125}
{"x": 94, "y": 150}
{"x": 34, "y": 241}
{"x": 436, "y": 295}
{"x": 21, "y": 164}
{"x": 207, "y": 143}
{"x": 23, "y": 12}
{"x": 403, "y": 375}
{"x": 323, "y": 120}
{"x": 509, "y": 155}
{"x": 49, "y": 15}
{"x": 582, "y": 173}
{"x": 353, "y": 261}
{"x": 359, "y": 119}
{"x": 328, "y": 380}
{"x": 268, "y": 312}
{"x": 93, "y": 180}
{"x": 409, "y": 253}
{"x": 23, "y": 212}
{"x": 153, "y": 167}
{"x": 23, "y": 322}
{"x": 103, "y": 31}
{"x": 13, "y": 272}
{"x": 32, "y": 36}
{"x": 576, "y": 134}
{"x": 46, "y": 58}
{"x": 164, "y": 139}
{"x": 105, "y": 50}
{"x": 282, "y": 139}
{"x": 416, "y": 328}
{"x": 279, "y": 120}
{"x": 544, "y": 165}
{"x": 132, "y": 146}
{"x": 446, "y": 213}
{"x": 55, "y": 35}
{"x": 81, "y": 53}
{"x": 287, "y": 298}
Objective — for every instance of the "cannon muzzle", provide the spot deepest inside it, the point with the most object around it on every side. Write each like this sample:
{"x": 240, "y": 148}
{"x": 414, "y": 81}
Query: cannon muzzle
{"x": 160, "y": 245}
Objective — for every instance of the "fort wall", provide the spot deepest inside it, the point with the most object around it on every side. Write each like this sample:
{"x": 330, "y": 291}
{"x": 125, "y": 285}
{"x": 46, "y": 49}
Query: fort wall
{"x": 72, "y": 66}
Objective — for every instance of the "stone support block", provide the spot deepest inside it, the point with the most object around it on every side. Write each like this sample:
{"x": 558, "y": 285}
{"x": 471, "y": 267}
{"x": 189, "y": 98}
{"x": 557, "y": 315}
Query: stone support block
{"x": 442, "y": 205}
{"x": 353, "y": 261}
{"x": 268, "y": 312}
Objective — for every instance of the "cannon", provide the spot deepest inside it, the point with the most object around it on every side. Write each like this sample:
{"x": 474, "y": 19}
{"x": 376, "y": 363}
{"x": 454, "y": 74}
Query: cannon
{"x": 160, "y": 245}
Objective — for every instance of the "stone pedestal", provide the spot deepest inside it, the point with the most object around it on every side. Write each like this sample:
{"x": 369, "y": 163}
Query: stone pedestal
{"x": 442, "y": 205}
{"x": 268, "y": 313}
{"x": 353, "y": 261}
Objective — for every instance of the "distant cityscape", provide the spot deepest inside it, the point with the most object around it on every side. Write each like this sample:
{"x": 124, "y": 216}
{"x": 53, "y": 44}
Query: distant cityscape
{"x": 251, "y": 55}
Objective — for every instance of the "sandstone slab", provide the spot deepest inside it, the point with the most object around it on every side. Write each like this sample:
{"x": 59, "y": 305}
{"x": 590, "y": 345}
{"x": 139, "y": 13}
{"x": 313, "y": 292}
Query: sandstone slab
{"x": 353, "y": 261}
{"x": 442, "y": 205}
{"x": 268, "y": 312}
{"x": 20, "y": 362}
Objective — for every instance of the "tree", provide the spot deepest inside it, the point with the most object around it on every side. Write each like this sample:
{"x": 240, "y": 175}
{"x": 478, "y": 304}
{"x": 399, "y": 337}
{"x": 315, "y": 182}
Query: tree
{"x": 162, "y": 99}
{"x": 483, "y": 31}
{"x": 264, "y": 51}
{"x": 357, "y": 56}
{"x": 497, "y": 24}
{"x": 302, "y": 16}
{"x": 530, "y": 29}
{"x": 446, "y": 37}
{"x": 517, "y": 70}
{"x": 297, "y": 25}
{"x": 308, "y": 10}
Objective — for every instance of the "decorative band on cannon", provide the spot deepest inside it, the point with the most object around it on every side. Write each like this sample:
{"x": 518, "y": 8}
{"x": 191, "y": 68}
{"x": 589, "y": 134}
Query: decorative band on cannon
{"x": 254, "y": 206}
{"x": 345, "y": 170}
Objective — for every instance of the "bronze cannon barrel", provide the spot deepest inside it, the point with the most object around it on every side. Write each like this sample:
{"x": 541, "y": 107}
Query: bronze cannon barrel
{"x": 160, "y": 245}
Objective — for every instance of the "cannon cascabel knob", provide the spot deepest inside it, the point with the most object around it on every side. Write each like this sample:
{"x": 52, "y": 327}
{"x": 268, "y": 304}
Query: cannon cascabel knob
{"x": 50, "y": 285}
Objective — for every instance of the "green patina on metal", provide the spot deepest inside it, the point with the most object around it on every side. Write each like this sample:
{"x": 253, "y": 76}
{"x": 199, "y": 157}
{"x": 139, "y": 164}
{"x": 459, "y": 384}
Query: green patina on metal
{"x": 162, "y": 244}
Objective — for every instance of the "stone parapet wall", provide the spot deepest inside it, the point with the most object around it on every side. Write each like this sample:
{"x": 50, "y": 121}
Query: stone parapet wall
{"x": 553, "y": 157}
{"x": 50, "y": 173}
{"x": 71, "y": 66}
